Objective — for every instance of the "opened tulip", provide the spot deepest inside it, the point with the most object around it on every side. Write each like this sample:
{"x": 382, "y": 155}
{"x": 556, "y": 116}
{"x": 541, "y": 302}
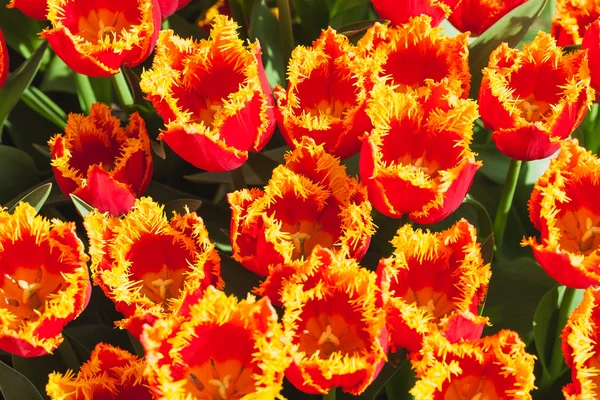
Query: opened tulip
{"x": 110, "y": 373}
{"x": 400, "y": 11}
{"x": 224, "y": 349}
{"x": 4, "y": 64}
{"x": 337, "y": 332}
{"x": 97, "y": 38}
{"x": 213, "y": 96}
{"x": 100, "y": 162}
{"x": 564, "y": 208}
{"x": 44, "y": 283}
{"x": 326, "y": 96}
{"x": 430, "y": 282}
{"x": 417, "y": 159}
{"x": 534, "y": 98}
{"x": 148, "y": 265}
{"x": 476, "y": 16}
{"x": 571, "y": 20}
{"x": 494, "y": 367}
{"x": 580, "y": 344}
{"x": 309, "y": 201}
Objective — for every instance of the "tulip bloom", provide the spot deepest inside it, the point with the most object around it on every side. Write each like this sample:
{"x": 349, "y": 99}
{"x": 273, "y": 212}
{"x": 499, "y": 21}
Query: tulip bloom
{"x": 224, "y": 349}
{"x": 414, "y": 55}
{"x": 580, "y": 344}
{"x": 534, "y": 98}
{"x": 494, "y": 367}
{"x": 96, "y": 39}
{"x": 326, "y": 96}
{"x": 400, "y": 11}
{"x": 309, "y": 201}
{"x": 476, "y": 16}
{"x": 417, "y": 159}
{"x": 338, "y": 333}
{"x": 168, "y": 7}
{"x": 150, "y": 266}
{"x": 564, "y": 208}
{"x": 591, "y": 43}
{"x": 44, "y": 283}
{"x": 36, "y": 9}
{"x": 110, "y": 373}
{"x": 3, "y": 60}
{"x": 213, "y": 96}
{"x": 433, "y": 279}
{"x": 100, "y": 162}
{"x": 571, "y": 20}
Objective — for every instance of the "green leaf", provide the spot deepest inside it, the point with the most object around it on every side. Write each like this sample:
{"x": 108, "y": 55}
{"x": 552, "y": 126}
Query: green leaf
{"x": 265, "y": 28}
{"x": 44, "y": 106}
{"x": 17, "y": 173}
{"x": 360, "y": 27}
{"x": 485, "y": 228}
{"x": 548, "y": 322}
{"x": 311, "y": 18}
{"x": 36, "y": 198}
{"x": 21, "y": 32}
{"x": 184, "y": 28}
{"x": 179, "y": 206}
{"x": 495, "y": 164}
{"x": 14, "y": 386}
{"x": 81, "y": 206}
{"x": 19, "y": 81}
{"x": 510, "y": 29}
{"x": 349, "y": 12}
{"x": 58, "y": 77}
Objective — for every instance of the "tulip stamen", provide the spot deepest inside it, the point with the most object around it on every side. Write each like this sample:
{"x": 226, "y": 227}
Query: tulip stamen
{"x": 587, "y": 240}
{"x": 196, "y": 382}
{"x": 300, "y": 238}
{"x": 328, "y": 342}
{"x": 533, "y": 110}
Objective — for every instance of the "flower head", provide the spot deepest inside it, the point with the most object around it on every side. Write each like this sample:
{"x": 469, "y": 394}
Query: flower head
{"x": 493, "y": 367}
{"x": 100, "y": 162}
{"x": 564, "y": 209}
{"x": 309, "y": 201}
{"x": 110, "y": 373}
{"x": 476, "y": 16}
{"x": 36, "y": 9}
{"x": 417, "y": 159}
{"x": 44, "y": 281}
{"x": 151, "y": 266}
{"x": 400, "y": 11}
{"x": 572, "y": 18}
{"x": 213, "y": 96}
{"x": 580, "y": 343}
{"x": 326, "y": 96}
{"x": 168, "y": 7}
{"x": 97, "y": 38}
{"x": 534, "y": 98}
{"x": 591, "y": 43}
{"x": 4, "y": 65}
{"x": 433, "y": 281}
{"x": 337, "y": 331}
{"x": 223, "y": 349}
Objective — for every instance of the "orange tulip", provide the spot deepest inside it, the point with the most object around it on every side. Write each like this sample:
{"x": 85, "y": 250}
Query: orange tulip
{"x": 571, "y": 20}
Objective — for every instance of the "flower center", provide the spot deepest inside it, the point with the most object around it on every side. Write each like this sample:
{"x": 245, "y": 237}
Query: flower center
{"x": 580, "y": 231}
{"x": 472, "y": 387}
{"x": 208, "y": 110}
{"x": 328, "y": 342}
{"x": 330, "y": 107}
{"x": 437, "y": 302}
{"x": 533, "y": 110}
{"x": 221, "y": 381}
{"x": 328, "y": 334}
{"x": 102, "y": 25}
{"x": 301, "y": 239}
{"x": 422, "y": 163}
{"x": 162, "y": 286}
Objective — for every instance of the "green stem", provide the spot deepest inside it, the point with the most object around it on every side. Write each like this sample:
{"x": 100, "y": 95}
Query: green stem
{"x": 330, "y": 395}
{"x": 85, "y": 92}
{"x": 557, "y": 362}
{"x": 508, "y": 193}
{"x": 285, "y": 29}
{"x": 122, "y": 88}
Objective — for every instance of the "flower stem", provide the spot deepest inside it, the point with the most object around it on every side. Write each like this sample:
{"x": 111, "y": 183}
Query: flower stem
{"x": 508, "y": 193}
{"x": 330, "y": 395}
{"x": 122, "y": 88}
{"x": 85, "y": 92}
{"x": 285, "y": 29}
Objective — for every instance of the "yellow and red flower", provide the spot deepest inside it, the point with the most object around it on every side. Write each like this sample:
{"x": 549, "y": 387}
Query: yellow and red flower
{"x": 224, "y": 349}
{"x": 433, "y": 281}
{"x": 581, "y": 348}
{"x": 36, "y": 9}
{"x": 44, "y": 282}
{"x": 400, "y": 11}
{"x": 476, "y": 16}
{"x": 534, "y": 98}
{"x": 572, "y": 18}
{"x": 4, "y": 64}
{"x": 326, "y": 96}
{"x": 96, "y": 38}
{"x": 591, "y": 43}
{"x": 149, "y": 266}
{"x": 564, "y": 208}
{"x": 100, "y": 162}
{"x": 213, "y": 96}
{"x": 309, "y": 201}
{"x": 337, "y": 331}
{"x": 494, "y": 367}
{"x": 414, "y": 55}
{"x": 110, "y": 373}
{"x": 417, "y": 159}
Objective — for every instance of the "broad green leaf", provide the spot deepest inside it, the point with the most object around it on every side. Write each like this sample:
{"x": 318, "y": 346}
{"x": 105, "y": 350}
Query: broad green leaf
{"x": 15, "y": 386}
{"x": 184, "y": 28}
{"x": 20, "y": 32}
{"x": 360, "y": 11}
{"x": 19, "y": 81}
{"x": 263, "y": 165}
{"x": 179, "y": 206}
{"x": 36, "y": 198}
{"x": 548, "y": 322}
{"x": 360, "y": 27}
{"x": 510, "y": 29}
{"x": 81, "y": 206}
{"x": 312, "y": 16}
{"x": 44, "y": 106}
{"x": 58, "y": 77}
{"x": 17, "y": 173}
{"x": 485, "y": 228}
{"x": 265, "y": 28}
{"x": 495, "y": 164}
